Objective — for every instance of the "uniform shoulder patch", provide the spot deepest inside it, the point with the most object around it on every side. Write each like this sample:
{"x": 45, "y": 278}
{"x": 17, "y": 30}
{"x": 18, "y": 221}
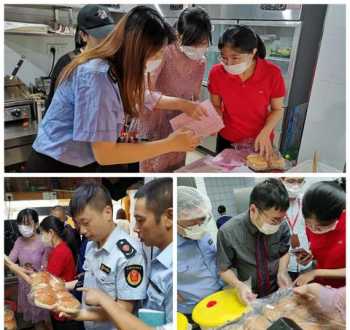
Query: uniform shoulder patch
{"x": 126, "y": 248}
{"x": 133, "y": 275}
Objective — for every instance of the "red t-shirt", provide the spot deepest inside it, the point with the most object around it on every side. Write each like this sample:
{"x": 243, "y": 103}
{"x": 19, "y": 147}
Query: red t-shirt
{"x": 246, "y": 103}
{"x": 329, "y": 250}
{"x": 61, "y": 264}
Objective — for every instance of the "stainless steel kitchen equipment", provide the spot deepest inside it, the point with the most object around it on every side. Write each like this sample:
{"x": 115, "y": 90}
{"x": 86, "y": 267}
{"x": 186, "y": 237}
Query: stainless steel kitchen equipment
{"x": 20, "y": 121}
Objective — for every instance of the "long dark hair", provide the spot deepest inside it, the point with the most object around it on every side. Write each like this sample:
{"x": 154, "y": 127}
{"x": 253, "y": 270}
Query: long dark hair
{"x": 194, "y": 26}
{"x": 324, "y": 200}
{"x": 56, "y": 225}
{"x": 244, "y": 39}
{"x": 137, "y": 36}
{"x": 26, "y": 216}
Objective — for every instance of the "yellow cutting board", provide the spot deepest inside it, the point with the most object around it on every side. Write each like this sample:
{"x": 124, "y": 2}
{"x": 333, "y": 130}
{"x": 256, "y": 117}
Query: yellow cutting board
{"x": 218, "y": 309}
{"x": 182, "y": 323}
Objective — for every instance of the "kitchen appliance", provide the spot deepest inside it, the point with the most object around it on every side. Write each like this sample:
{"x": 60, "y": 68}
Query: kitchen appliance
{"x": 20, "y": 119}
{"x": 292, "y": 35}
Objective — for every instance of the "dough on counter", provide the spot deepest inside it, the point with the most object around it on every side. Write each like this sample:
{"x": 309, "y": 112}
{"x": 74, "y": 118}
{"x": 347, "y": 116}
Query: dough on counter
{"x": 287, "y": 303}
{"x": 272, "y": 313}
{"x": 256, "y": 323}
{"x": 256, "y": 162}
{"x": 277, "y": 163}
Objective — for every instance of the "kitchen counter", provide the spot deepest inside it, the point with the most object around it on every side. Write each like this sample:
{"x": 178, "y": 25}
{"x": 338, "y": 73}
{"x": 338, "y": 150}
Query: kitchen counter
{"x": 18, "y": 143}
{"x": 16, "y": 134}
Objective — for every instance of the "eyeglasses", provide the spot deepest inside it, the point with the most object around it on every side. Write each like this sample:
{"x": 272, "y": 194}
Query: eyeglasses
{"x": 274, "y": 221}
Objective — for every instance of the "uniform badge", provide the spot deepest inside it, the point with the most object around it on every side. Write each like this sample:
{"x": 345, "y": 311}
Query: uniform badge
{"x": 105, "y": 268}
{"x": 210, "y": 242}
{"x": 126, "y": 248}
{"x": 133, "y": 275}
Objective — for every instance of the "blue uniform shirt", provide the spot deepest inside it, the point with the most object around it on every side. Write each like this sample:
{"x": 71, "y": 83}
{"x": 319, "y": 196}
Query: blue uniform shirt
{"x": 86, "y": 108}
{"x": 117, "y": 268}
{"x": 197, "y": 272}
{"x": 160, "y": 287}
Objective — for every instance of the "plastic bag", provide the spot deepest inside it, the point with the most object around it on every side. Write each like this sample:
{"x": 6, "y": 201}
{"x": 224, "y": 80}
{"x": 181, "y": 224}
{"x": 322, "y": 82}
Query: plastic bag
{"x": 283, "y": 303}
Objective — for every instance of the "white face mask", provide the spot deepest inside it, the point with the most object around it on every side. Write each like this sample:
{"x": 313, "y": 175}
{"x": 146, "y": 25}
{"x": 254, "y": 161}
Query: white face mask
{"x": 46, "y": 240}
{"x": 237, "y": 68}
{"x": 152, "y": 65}
{"x": 26, "y": 231}
{"x": 195, "y": 54}
{"x": 268, "y": 229}
{"x": 293, "y": 190}
{"x": 194, "y": 232}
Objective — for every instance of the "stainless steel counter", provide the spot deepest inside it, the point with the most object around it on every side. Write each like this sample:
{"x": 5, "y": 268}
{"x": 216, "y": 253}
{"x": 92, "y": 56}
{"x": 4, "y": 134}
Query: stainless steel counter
{"x": 18, "y": 143}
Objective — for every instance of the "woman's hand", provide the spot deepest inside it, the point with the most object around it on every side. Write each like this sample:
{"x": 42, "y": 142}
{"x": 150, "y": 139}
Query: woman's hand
{"x": 309, "y": 291}
{"x": 183, "y": 140}
{"x": 263, "y": 144}
{"x": 305, "y": 278}
{"x": 194, "y": 110}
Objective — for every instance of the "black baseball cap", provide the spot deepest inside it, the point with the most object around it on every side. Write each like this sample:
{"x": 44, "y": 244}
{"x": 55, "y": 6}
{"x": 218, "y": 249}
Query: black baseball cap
{"x": 96, "y": 21}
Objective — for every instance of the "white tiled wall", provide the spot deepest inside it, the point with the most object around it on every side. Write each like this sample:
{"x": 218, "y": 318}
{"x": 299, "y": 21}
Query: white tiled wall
{"x": 325, "y": 130}
{"x": 220, "y": 192}
{"x": 37, "y": 62}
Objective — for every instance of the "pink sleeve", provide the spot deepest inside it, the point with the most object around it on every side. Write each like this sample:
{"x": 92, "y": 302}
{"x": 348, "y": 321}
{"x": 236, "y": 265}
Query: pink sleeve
{"x": 333, "y": 300}
{"x": 151, "y": 99}
{"x": 14, "y": 252}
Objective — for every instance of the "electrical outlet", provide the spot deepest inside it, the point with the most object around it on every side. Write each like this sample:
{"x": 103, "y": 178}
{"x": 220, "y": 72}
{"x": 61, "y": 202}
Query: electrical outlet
{"x": 59, "y": 48}
{"x": 8, "y": 196}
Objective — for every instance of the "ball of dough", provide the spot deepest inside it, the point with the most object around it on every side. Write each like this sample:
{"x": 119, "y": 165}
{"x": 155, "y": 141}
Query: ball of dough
{"x": 256, "y": 162}
{"x": 272, "y": 313}
{"x": 256, "y": 323}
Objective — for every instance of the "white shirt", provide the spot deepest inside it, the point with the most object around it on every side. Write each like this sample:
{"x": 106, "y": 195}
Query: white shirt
{"x": 295, "y": 208}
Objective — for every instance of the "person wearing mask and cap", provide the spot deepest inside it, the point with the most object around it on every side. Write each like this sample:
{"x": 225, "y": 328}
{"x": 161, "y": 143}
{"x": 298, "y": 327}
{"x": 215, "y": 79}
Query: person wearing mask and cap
{"x": 296, "y": 222}
{"x": 324, "y": 211}
{"x": 197, "y": 273}
{"x": 253, "y": 246}
{"x": 94, "y": 24}
{"x": 98, "y": 93}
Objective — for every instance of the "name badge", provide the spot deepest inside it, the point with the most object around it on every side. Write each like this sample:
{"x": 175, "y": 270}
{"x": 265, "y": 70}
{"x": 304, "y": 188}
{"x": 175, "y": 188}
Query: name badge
{"x": 105, "y": 269}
